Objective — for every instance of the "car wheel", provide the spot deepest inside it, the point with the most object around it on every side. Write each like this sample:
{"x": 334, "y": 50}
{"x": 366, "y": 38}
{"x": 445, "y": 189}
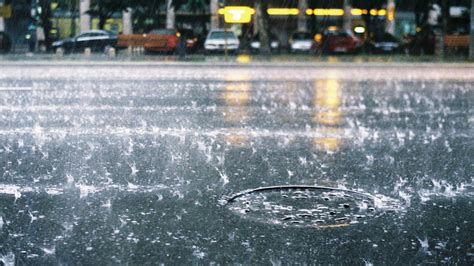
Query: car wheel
{"x": 107, "y": 49}
{"x": 60, "y": 51}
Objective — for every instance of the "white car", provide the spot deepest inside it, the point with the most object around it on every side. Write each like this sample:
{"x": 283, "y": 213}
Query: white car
{"x": 219, "y": 40}
{"x": 301, "y": 42}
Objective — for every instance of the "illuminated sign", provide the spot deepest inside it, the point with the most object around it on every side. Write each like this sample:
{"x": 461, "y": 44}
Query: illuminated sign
{"x": 237, "y": 14}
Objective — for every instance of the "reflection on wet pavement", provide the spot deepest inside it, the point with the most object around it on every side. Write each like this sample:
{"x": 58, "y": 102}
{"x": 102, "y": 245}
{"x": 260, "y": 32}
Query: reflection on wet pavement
{"x": 131, "y": 170}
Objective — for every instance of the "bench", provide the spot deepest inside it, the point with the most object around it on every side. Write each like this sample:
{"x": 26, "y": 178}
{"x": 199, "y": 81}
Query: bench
{"x": 456, "y": 42}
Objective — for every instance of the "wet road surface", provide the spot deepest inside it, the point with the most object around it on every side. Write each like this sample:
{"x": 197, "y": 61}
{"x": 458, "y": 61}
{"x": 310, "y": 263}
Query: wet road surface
{"x": 131, "y": 163}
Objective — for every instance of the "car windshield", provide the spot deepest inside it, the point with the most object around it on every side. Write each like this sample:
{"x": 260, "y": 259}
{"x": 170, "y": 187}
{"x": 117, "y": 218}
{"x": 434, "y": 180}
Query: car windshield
{"x": 163, "y": 32}
{"x": 221, "y": 35}
{"x": 272, "y": 37}
{"x": 386, "y": 38}
{"x": 302, "y": 36}
{"x": 345, "y": 33}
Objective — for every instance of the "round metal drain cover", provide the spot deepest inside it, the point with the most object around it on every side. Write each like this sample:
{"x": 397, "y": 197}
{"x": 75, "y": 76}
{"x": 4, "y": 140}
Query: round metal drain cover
{"x": 304, "y": 206}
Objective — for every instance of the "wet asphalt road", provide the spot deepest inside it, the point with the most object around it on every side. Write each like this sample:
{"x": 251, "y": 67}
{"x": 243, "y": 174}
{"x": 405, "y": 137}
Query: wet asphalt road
{"x": 128, "y": 163}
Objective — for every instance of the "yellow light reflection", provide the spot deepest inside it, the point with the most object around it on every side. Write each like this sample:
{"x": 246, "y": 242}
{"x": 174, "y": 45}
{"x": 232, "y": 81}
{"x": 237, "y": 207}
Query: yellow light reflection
{"x": 391, "y": 14}
{"x": 331, "y": 141}
{"x": 357, "y": 12}
{"x": 236, "y": 137}
{"x": 283, "y": 11}
{"x": 318, "y": 37}
{"x": 330, "y": 117}
{"x": 334, "y": 59}
{"x": 382, "y": 12}
{"x": 237, "y": 94}
{"x": 309, "y": 12}
{"x": 328, "y": 94}
{"x": 328, "y": 12}
{"x": 244, "y": 59}
{"x": 327, "y": 101}
{"x": 236, "y": 97}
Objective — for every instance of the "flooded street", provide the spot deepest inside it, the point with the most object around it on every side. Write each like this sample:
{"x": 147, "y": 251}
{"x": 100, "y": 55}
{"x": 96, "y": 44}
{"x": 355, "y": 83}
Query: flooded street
{"x": 134, "y": 163}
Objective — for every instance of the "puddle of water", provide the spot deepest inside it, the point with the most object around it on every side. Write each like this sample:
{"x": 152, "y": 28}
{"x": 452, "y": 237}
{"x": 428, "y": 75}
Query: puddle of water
{"x": 308, "y": 206}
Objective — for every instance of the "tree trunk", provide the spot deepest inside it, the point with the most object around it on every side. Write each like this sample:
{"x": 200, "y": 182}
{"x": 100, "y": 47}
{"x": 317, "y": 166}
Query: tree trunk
{"x": 214, "y": 15}
{"x": 347, "y": 20}
{"x": 302, "y": 24}
{"x": 471, "y": 44}
{"x": 439, "y": 48}
{"x": 262, "y": 22}
{"x": 170, "y": 15}
{"x": 84, "y": 6}
{"x": 73, "y": 9}
{"x": 390, "y": 18}
{"x": 127, "y": 21}
{"x": 46, "y": 22}
{"x": 102, "y": 21}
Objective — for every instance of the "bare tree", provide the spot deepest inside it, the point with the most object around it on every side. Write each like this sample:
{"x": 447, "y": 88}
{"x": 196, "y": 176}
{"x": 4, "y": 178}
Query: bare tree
{"x": 261, "y": 7}
{"x": 471, "y": 44}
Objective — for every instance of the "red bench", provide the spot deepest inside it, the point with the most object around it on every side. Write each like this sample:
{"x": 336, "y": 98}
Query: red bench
{"x": 456, "y": 42}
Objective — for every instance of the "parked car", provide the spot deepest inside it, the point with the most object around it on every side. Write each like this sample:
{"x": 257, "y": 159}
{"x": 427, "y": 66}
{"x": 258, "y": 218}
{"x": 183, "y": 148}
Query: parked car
{"x": 96, "y": 40}
{"x": 5, "y": 43}
{"x": 384, "y": 43}
{"x": 193, "y": 42}
{"x": 338, "y": 41}
{"x": 255, "y": 43}
{"x": 301, "y": 42}
{"x": 219, "y": 40}
{"x": 158, "y": 40}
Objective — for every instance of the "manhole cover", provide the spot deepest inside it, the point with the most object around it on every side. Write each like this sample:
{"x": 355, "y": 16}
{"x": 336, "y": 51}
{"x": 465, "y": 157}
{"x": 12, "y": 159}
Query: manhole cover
{"x": 306, "y": 206}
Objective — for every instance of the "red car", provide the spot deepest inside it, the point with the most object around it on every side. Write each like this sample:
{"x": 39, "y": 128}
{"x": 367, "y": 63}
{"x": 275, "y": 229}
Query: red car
{"x": 338, "y": 41}
{"x": 160, "y": 40}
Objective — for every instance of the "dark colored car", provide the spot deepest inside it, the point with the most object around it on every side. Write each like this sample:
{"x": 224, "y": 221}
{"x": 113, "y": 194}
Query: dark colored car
{"x": 255, "y": 43}
{"x": 338, "y": 41}
{"x": 384, "y": 43}
{"x": 193, "y": 42}
{"x": 96, "y": 40}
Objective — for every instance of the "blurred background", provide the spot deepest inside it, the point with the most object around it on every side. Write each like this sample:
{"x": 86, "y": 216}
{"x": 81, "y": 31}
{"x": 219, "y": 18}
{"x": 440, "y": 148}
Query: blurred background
{"x": 410, "y": 27}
